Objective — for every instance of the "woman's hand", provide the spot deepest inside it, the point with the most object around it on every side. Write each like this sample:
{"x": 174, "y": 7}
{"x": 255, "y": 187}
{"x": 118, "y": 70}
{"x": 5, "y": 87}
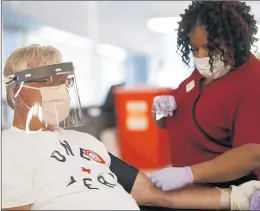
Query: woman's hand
{"x": 172, "y": 178}
{"x": 246, "y": 196}
{"x": 164, "y": 105}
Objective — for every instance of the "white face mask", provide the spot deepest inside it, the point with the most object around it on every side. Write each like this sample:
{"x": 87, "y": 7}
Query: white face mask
{"x": 55, "y": 103}
{"x": 219, "y": 69}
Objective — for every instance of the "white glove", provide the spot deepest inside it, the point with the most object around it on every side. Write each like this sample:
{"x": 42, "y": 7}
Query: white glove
{"x": 240, "y": 195}
{"x": 164, "y": 105}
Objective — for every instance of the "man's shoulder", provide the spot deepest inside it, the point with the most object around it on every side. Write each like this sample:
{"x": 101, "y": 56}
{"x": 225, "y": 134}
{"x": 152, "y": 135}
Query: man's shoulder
{"x": 16, "y": 148}
{"x": 11, "y": 135}
{"x": 82, "y": 138}
{"x": 79, "y": 135}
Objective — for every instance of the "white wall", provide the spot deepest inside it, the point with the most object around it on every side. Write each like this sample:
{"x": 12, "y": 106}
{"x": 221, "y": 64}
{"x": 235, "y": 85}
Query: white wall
{"x": 166, "y": 68}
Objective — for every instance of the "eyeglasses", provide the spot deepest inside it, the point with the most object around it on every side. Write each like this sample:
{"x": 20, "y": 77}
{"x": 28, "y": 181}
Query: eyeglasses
{"x": 53, "y": 81}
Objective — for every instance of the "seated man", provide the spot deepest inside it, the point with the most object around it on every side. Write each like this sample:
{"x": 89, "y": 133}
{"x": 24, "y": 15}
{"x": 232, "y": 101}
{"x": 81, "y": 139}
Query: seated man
{"x": 48, "y": 168}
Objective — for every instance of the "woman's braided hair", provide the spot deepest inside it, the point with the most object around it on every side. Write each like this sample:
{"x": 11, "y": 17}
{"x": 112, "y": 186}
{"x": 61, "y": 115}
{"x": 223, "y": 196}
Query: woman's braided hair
{"x": 228, "y": 22}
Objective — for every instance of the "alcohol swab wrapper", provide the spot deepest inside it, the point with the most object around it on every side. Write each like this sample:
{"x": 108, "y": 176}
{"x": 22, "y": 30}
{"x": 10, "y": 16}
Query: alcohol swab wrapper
{"x": 159, "y": 116}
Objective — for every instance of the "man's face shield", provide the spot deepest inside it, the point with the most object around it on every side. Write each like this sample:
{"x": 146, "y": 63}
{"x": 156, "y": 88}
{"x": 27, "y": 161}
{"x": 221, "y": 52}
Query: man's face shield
{"x": 48, "y": 95}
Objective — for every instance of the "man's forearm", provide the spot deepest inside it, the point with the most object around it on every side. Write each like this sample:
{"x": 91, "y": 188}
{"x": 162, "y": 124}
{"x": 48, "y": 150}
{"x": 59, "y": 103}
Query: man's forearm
{"x": 196, "y": 197}
{"x": 144, "y": 192}
{"x": 232, "y": 165}
{"x": 193, "y": 197}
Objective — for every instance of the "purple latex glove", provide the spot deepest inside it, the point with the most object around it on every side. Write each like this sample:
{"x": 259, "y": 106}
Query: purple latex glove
{"x": 165, "y": 105}
{"x": 172, "y": 178}
{"x": 255, "y": 201}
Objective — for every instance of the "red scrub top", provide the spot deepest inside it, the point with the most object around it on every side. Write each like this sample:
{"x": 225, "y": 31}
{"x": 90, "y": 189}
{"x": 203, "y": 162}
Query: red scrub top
{"x": 212, "y": 120}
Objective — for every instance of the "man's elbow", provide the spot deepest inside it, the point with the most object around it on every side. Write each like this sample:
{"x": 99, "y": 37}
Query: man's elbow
{"x": 145, "y": 193}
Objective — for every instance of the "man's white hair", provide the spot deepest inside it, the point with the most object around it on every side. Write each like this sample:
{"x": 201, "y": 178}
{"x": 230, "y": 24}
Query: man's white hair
{"x": 29, "y": 57}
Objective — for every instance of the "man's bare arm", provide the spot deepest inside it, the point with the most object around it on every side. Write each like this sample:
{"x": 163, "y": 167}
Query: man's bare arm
{"x": 193, "y": 197}
{"x": 145, "y": 193}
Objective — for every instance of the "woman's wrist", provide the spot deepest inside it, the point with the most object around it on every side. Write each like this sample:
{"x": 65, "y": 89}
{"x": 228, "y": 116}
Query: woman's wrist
{"x": 197, "y": 174}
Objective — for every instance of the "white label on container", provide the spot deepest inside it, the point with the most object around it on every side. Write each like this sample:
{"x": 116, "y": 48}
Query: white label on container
{"x": 136, "y": 115}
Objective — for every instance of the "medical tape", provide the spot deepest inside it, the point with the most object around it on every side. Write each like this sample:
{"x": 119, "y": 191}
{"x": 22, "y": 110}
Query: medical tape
{"x": 225, "y": 199}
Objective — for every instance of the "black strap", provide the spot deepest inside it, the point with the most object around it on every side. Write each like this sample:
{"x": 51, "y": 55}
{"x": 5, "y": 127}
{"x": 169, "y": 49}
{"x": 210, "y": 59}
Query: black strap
{"x": 209, "y": 137}
{"x": 126, "y": 174}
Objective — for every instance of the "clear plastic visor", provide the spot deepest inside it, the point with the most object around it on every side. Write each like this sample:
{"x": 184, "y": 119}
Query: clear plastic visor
{"x": 47, "y": 97}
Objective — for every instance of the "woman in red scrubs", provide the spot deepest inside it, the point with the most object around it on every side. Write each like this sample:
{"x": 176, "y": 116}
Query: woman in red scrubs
{"x": 213, "y": 118}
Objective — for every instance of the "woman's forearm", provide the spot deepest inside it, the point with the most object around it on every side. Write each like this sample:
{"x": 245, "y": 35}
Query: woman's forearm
{"x": 232, "y": 165}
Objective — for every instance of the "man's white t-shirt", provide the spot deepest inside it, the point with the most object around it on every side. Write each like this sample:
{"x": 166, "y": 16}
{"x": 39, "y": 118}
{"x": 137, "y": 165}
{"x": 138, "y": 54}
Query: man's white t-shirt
{"x": 64, "y": 169}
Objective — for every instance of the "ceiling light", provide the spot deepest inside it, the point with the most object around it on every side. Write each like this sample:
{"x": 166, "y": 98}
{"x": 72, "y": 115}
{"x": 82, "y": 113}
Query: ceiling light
{"x": 163, "y": 25}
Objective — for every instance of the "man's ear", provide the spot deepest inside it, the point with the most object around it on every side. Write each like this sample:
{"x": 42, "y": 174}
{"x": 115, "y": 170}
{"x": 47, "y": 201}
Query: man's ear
{"x": 17, "y": 99}
{"x": 18, "y": 103}
{"x": 16, "y": 91}
{"x": 19, "y": 106}
{"x": 10, "y": 92}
